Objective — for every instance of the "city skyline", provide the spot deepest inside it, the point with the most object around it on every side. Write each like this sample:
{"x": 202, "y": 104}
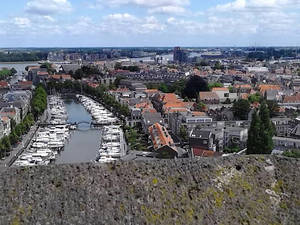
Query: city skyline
{"x": 137, "y": 23}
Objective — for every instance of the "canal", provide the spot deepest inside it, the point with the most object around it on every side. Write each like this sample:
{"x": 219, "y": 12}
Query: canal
{"x": 84, "y": 142}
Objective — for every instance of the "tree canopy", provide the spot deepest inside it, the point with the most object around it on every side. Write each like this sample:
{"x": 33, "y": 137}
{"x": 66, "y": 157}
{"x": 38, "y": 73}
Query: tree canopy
{"x": 255, "y": 98}
{"x": 261, "y": 132}
{"x": 214, "y": 84}
{"x": 39, "y": 101}
{"x": 193, "y": 86}
{"x": 5, "y": 73}
{"x": 241, "y": 109}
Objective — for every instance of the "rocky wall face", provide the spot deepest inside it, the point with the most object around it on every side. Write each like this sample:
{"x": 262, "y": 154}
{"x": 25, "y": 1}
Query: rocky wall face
{"x": 238, "y": 190}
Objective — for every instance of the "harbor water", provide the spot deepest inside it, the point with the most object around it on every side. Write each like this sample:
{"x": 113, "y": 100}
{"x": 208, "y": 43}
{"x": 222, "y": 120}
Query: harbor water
{"x": 84, "y": 142}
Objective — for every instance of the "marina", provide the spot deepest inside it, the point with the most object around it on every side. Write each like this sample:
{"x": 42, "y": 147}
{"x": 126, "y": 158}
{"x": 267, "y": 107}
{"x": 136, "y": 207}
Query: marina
{"x": 101, "y": 116}
{"x": 112, "y": 144}
{"x": 76, "y": 130}
{"x": 112, "y": 141}
{"x": 50, "y": 140}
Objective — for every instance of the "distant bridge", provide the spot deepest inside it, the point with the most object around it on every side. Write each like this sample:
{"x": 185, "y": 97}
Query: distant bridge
{"x": 74, "y": 123}
{"x": 81, "y": 122}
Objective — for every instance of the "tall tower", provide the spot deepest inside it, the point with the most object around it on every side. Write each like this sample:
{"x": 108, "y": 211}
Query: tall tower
{"x": 180, "y": 55}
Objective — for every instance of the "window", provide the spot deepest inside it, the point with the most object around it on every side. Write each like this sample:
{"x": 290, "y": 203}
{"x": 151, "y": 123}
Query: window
{"x": 226, "y": 95}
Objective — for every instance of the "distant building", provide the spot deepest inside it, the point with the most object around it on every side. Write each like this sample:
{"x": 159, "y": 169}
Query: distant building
{"x": 12, "y": 113}
{"x": 180, "y": 55}
{"x": 148, "y": 119}
{"x": 209, "y": 97}
{"x": 61, "y": 77}
{"x": 67, "y": 68}
{"x": 283, "y": 143}
{"x": 23, "y": 85}
{"x": 224, "y": 94}
{"x": 257, "y": 69}
{"x": 4, "y": 126}
{"x": 235, "y": 136}
{"x": 203, "y": 143}
{"x": 283, "y": 126}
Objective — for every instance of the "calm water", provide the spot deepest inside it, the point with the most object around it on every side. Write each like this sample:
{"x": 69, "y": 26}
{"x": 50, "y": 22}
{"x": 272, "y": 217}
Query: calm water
{"x": 84, "y": 142}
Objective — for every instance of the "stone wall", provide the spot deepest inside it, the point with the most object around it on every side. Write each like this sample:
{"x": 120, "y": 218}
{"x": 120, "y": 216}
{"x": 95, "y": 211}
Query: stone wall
{"x": 236, "y": 190}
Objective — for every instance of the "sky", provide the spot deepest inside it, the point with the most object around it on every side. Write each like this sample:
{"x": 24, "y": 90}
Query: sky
{"x": 145, "y": 23}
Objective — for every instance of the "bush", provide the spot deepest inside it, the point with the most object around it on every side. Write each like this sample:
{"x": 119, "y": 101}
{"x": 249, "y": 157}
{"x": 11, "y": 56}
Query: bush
{"x": 293, "y": 153}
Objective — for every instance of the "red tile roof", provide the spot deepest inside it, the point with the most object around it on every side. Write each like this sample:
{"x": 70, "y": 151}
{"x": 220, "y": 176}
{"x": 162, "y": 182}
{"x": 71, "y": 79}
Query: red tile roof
{"x": 265, "y": 87}
{"x": 41, "y": 73}
{"x": 242, "y": 86}
{"x": 292, "y": 99}
{"x": 160, "y": 137}
{"x": 149, "y": 110}
{"x": 3, "y": 84}
{"x": 61, "y": 76}
{"x": 244, "y": 96}
{"x": 220, "y": 89}
{"x": 197, "y": 113}
{"x": 5, "y": 118}
{"x": 207, "y": 95}
{"x": 93, "y": 85}
{"x": 25, "y": 83}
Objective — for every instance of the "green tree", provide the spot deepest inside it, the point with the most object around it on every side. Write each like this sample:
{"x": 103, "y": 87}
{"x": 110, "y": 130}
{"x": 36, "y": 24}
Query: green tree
{"x": 13, "y": 71}
{"x": 273, "y": 107}
{"x": 266, "y": 129}
{"x": 200, "y": 106}
{"x": 49, "y": 68}
{"x": 293, "y": 153}
{"x": 164, "y": 88}
{"x": 39, "y": 101}
{"x": 78, "y": 74}
{"x": 261, "y": 132}
{"x": 13, "y": 138}
{"x": 183, "y": 133}
{"x": 254, "y": 140}
{"x": 264, "y": 115}
{"x": 6, "y": 143}
{"x": 117, "y": 81}
{"x": 255, "y": 98}
{"x": 12, "y": 124}
{"x": 193, "y": 86}
{"x": 2, "y": 150}
{"x": 218, "y": 66}
{"x": 241, "y": 109}
{"x": 215, "y": 84}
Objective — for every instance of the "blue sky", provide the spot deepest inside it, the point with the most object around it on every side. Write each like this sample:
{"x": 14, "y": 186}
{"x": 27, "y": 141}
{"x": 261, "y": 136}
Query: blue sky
{"x": 97, "y": 23}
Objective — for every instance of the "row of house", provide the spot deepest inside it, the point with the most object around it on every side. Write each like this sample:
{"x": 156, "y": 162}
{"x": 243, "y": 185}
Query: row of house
{"x": 14, "y": 105}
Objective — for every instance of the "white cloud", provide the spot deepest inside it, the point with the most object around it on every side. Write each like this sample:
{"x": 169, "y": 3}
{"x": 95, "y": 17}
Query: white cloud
{"x": 48, "y": 7}
{"x": 121, "y": 17}
{"x": 22, "y": 22}
{"x": 82, "y": 26}
{"x": 168, "y": 10}
{"x": 256, "y": 5}
{"x": 49, "y": 18}
{"x": 126, "y": 24}
{"x": 153, "y": 6}
{"x": 146, "y": 3}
